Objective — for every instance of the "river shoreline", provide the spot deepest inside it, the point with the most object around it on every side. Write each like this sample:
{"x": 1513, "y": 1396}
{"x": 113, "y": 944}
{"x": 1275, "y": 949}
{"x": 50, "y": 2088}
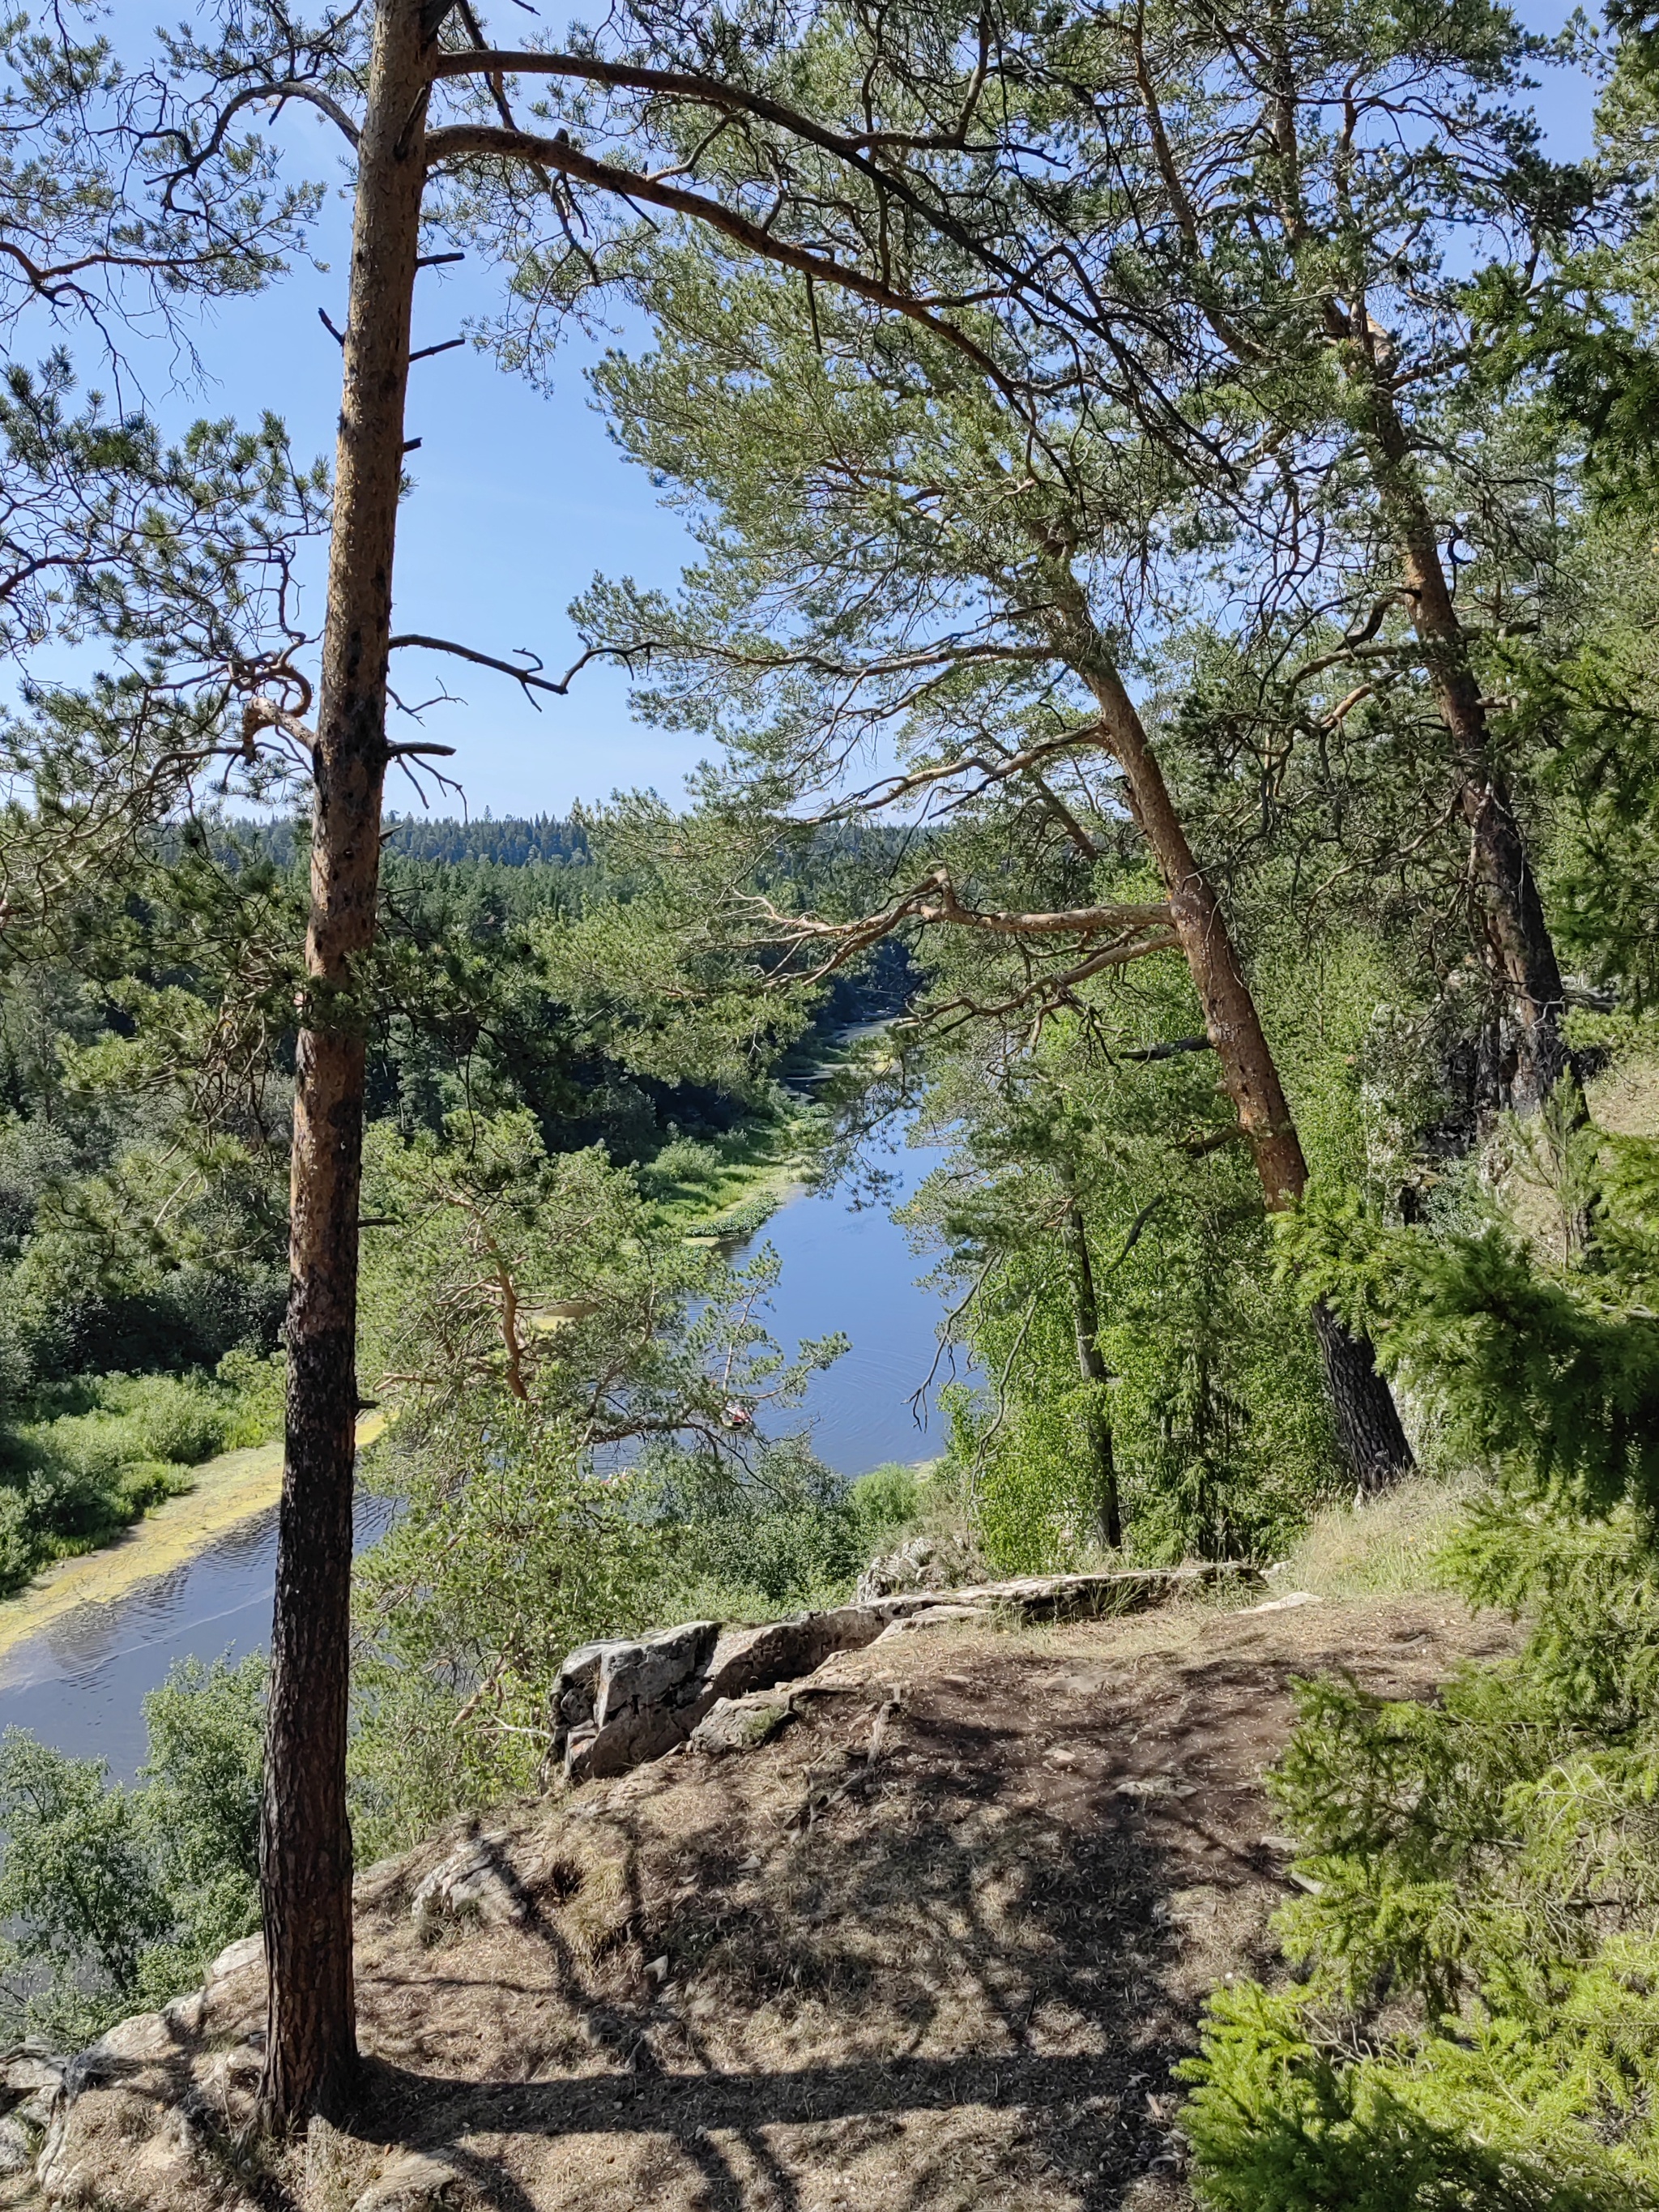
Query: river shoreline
{"x": 237, "y": 1486}
{"x": 224, "y": 1493}
{"x": 81, "y": 1651}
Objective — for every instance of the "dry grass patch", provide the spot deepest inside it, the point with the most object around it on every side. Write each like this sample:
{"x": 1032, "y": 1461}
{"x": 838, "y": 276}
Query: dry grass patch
{"x": 1381, "y": 1547}
{"x": 1626, "y": 1100}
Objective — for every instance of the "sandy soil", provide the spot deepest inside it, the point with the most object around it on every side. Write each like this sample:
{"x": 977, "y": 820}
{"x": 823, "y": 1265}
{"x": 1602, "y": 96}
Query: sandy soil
{"x": 937, "y": 1945}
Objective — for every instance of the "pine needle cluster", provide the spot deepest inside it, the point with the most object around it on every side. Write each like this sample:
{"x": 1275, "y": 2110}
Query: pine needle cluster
{"x": 1472, "y": 2018}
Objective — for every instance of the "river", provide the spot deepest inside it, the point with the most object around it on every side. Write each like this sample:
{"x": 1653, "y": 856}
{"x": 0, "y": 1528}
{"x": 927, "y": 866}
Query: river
{"x": 80, "y": 1685}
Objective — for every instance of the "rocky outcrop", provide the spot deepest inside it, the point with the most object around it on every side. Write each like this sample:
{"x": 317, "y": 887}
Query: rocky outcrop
{"x": 151, "y": 2116}
{"x": 31, "y": 2082}
{"x": 617, "y": 1703}
{"x": 936, "y": 1616}
{"x": 741, "y": 1723}
{"x": 921, "y": 1563}
{"x": 475, "y": 1882}
{"x": 415, "y": 2182}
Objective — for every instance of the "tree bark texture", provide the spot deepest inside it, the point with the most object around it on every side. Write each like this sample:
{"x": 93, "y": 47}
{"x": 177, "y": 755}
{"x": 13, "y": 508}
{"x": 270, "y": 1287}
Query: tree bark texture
{"x": 1093, "y": 1369}
{"x": 1521, "y": 947}
{"x": 1367, "y": 1424}
{"x": 1518, "y": 938}
{"x": 306, "y": 1853}
{"x": 1367, "y": 1418}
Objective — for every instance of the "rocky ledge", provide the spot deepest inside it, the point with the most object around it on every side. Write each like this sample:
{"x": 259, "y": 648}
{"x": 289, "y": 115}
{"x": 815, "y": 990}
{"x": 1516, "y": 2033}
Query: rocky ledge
{"x": 622, "y": 1702}
{"x": 171, "y": 2083}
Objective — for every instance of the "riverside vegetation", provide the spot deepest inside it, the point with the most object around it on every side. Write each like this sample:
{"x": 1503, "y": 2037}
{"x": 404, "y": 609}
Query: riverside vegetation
{"x": 1173, "y": 627}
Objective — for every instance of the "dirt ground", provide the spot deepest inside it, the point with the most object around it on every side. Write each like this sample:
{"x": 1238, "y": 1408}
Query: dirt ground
{"x": 936, "y": 1945}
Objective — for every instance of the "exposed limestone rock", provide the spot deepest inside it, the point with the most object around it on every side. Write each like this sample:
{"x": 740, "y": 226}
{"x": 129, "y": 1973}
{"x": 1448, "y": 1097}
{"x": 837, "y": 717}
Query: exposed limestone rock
{"x": 741, "y": 1723}
{"x": 475, "y": 1883}
{"x": 936, "y": 1616}
{"x": 748, "y": 1659}
{"x": 27, "y": 2073}
{"x": 923, "y": 1563}
{"x": 31, "y": 2085}
{"x": 617, "y": 1704}
{"x": 412, "y": 2183}
{"x": 147, "y": 2039}
{"x": 635, "y": 1676}
{"x": 236, "y": 1957}
{"x": 579, "y": 1679}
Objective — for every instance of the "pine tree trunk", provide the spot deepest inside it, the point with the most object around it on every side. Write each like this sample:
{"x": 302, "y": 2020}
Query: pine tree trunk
{"x": 306, "y": 1855}
{"x": 1521, "y": 948}
{"x": 1093, "y": 1369}
{"x": 1518, "y": 935}
{"x": 1367, "y": 1418}
{"x": 1368, "y": 1426}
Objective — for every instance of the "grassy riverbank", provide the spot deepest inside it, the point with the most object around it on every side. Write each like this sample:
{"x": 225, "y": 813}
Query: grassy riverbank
{"x": 147, "y": 1501}
{"x": 95, "y": 1454}
{"x": 223, "y": 1492}
{"x": 151, "y": 1470}
{"x": 728, "y": 1188}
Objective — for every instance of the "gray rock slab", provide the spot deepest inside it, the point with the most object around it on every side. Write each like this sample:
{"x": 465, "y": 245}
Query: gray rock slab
{"x": 236, "y": 1957}
{"x": 413, "y": 2182}
{"x": 632, "y": 1675}
{"x": 636, "y": 1736}
{"x": 29, "y": 2072}
{"x": 617, "y": 1704}
{"x": 937, "y": 1616}
{"x": 748, "y": 1659}
{"x": 475, "y": 1882}
{"x": 741, "y": 1723}
{"x": 573, "y": 1749}
{"x": 1102, "y": 1596}
{"x": 578, "y": 1681}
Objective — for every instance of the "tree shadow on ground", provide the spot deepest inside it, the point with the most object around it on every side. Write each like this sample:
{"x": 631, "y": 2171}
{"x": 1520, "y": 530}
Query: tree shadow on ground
{"x": 959, "y": 1971}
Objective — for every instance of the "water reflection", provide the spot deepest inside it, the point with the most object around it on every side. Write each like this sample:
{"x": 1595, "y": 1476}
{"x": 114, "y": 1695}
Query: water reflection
{"x": 853, "y": 1269}
{"x": 80, "y": 1683}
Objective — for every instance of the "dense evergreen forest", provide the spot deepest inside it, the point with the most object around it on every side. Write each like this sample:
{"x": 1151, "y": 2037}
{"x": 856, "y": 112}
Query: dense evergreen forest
{"x": 146, "y": 1239}
{"x": 1172, "y": 638}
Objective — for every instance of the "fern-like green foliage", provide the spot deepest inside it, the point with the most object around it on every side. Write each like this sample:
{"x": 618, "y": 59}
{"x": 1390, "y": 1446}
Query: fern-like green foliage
{"x": 1475, "y": 2022}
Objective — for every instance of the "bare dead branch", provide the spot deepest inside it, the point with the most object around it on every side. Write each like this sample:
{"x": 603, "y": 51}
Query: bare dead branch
{"x": 531, "y": 677}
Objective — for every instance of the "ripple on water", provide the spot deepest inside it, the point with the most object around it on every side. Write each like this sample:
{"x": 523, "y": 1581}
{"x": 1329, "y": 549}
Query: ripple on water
{"x": 81, "y": 1682}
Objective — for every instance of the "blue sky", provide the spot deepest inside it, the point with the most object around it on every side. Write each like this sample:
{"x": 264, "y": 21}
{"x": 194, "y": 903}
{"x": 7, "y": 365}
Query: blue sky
{"x": 520, "y": 497}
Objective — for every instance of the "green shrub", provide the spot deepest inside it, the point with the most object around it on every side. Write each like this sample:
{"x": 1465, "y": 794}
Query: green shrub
{"x": 74, "y": 1480}
{"x": 507, "y": 1552}
{"x": 1477, "y": 2022}
{"x": 888, "y": 1501}
{"x": 784, "y": 1534}
{"x": 173, "y": 1418}
{"x": 1287, "y": 2118}
{"x": 144, "y": 1483}
{"x": 115, "y": 1898}
{"x": 255, "y": 1383}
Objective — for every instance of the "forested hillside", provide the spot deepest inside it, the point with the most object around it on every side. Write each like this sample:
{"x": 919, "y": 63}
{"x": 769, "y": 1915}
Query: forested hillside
{"x": 1168, "y": 672}
{"x": 145, "y": 1210}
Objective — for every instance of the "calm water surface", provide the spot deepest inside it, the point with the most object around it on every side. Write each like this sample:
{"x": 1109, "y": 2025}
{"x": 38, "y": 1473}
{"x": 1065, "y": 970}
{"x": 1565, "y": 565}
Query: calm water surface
{"x": 81, "y": 1684}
